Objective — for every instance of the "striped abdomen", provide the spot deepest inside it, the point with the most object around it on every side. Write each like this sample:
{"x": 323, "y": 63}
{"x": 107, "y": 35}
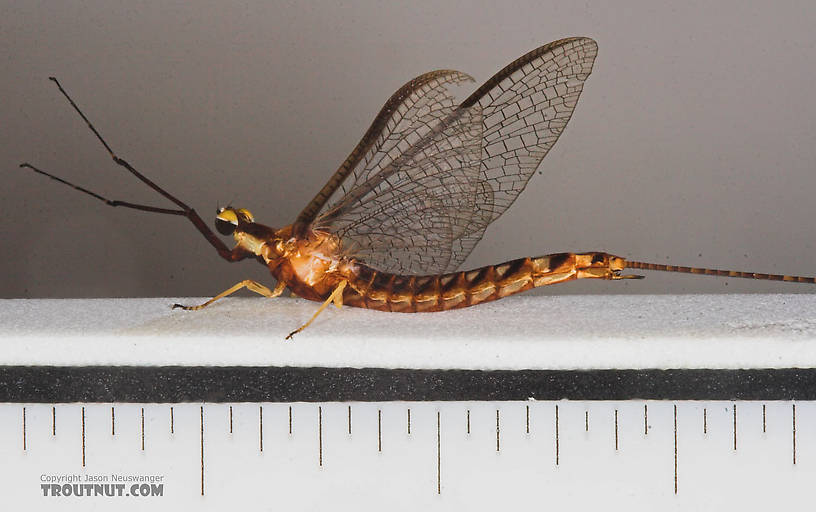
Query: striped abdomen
{"x": 371, "y": 289}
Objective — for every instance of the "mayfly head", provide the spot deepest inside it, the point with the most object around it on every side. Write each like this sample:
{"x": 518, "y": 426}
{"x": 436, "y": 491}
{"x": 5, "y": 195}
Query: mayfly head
{"x": 229, "y": 218}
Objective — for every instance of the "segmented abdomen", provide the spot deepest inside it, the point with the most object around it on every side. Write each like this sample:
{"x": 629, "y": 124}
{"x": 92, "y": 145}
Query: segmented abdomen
{"x": 369, "y": 288}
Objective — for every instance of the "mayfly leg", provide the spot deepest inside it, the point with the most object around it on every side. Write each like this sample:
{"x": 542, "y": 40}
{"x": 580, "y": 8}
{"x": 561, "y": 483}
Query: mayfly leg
{"x": 105, "y": 200}
{"x": 248, "y": 284}
{"x": 184, "y": 210}
{"x": 336, "y": 297}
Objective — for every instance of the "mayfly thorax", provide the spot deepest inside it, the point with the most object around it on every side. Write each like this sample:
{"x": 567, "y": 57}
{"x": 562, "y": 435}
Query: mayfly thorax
{"x": 399, "y": 216}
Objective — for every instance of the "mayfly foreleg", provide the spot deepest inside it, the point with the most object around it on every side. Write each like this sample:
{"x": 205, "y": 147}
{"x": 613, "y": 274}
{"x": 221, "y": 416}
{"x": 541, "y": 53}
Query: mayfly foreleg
{"x": 336, "y": 297}
{"x": 248, "y": 284}
{"x": 109, "y": 202}
{"x": 184, "y": 210}
{"x": 118, "y": 160}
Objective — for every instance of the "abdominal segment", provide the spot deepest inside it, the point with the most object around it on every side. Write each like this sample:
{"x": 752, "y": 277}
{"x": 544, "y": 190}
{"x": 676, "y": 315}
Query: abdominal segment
{"x": 369, "y": 288}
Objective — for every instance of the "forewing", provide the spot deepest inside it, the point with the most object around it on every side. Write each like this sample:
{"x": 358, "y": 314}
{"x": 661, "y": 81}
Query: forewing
{"x": 413, "y": 191}
{"x": 423, "y": 196}
{"x": 418, "y": 102}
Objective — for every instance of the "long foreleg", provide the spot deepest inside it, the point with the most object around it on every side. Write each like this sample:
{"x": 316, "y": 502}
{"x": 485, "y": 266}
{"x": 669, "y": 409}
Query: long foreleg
{"x": 183, "y": 210}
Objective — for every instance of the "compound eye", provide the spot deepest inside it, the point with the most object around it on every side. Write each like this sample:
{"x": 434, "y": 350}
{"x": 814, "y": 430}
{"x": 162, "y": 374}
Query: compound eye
{"x": 225, "y": 227}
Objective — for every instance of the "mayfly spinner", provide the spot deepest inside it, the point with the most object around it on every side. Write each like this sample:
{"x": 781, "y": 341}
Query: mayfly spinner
{"x": 416, "y": 194}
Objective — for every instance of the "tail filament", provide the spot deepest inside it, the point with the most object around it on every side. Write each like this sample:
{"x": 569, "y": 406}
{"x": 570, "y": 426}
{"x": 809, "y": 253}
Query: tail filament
{"x": 718, "y": 272}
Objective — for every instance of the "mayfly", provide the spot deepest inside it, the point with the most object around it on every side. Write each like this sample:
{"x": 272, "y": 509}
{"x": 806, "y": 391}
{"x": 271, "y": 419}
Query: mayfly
{"x": 403, "y": 211}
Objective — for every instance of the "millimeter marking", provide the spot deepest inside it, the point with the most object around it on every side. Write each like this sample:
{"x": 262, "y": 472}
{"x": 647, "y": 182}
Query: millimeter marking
{"x": 290, "y": 420}
{"x": 528, "y": 419}
{"x": 349, "y": 420}
{"x": 438, "y": 454}
{"x": 260, "y": 426}
{"x": 645, "y": 420}
{"x": 142, "y": 428}
{"x": 83, "y": 437}
{"x": 24, "y": 430}
{"x": 230, "y": 419}
{"x": 497, "y": 430}
{"x": 616, "y": 430}
{"x": 763, "y": 418}
{"x": 793, "y": 414}
{"x": 113, "y": 422}
{"x": 735, "y": 426}
{"x": 468, "y": 421}
{"x": 705, "y": 422}
{"x": 53, "y": 421}
{"x": 586, "y": 421}
{"x": 675, "y": 448}
{"x": 379, "y": 430}
{"x": 172, "y": 426}
{"x": 202, "y": 449}
{"x": 409, "y": 421}
{"x": 557, "y": 440}
{"x": 320, "y": 436}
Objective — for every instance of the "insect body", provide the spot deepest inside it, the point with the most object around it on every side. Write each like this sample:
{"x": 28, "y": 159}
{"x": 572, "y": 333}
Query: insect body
{"x": 315, "y": 267}
{"x": 392, "y": 225}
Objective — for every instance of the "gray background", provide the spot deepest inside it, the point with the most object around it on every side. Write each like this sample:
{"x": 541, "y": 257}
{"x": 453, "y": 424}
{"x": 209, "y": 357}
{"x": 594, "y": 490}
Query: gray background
{"x": 693, "y": 142}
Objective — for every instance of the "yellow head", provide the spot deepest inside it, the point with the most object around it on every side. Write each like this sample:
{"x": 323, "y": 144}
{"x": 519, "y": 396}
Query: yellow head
{"x": 227, "y": 219}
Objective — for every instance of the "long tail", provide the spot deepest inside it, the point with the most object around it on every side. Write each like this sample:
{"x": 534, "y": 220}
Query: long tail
{"x": 717, "y": 272}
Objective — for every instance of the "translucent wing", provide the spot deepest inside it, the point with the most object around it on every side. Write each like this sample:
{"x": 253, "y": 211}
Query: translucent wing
{"x": 402, "y": 173}
{"x": 422, "y": 195}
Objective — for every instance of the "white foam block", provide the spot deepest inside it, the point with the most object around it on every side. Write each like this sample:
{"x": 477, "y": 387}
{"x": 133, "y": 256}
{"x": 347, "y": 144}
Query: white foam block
{"x": 520, "y": 332}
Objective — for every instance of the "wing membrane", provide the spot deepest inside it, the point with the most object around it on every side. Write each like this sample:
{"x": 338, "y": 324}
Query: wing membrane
{"x": 421, "y": 197}
{"x": 404, "y": 106}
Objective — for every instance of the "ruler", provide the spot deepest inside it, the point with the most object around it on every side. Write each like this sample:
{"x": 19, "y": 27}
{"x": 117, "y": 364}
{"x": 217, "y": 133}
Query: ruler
{"x": 199, "y": 411}
{"x": 676, "y": 455}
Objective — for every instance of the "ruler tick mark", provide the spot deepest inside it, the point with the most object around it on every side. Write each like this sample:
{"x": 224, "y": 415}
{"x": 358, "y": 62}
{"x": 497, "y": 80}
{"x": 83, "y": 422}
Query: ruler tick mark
{"x": 320, "y": 435}
{"x": 557, "y": 440}
{"x": 142, "y": 428}
{"x": 349, "y": 420}
{"x": 379, "y": 430}
{"x": 290, "y": 420}
{"x": 24, "y": 429}
{"x": 763, "y": 418}
{"x": 83, "y": 437}
{"x": 616, "y": 430}
{"x": 409, "y": 421}
{"x": 497, "y": 430}
{"x": 230, "y": 419}
{"x": 172, "y": 426}
{"x": 468, "y": 421}
{"x": 260, "y": 426}
{"x": 202, "y": 449}
{"x": 586, "y": 421}
{"x": 53, "y": 421}
{"x": 528, "y": 419}
{"x": 645, "y": 420}
{"x": 438, "y": 454}
{"x": 705, "y": 421}
{"x": 113, "y": 422}
{"x": 734, "y": 407}
{"x": 793, "y": 417}
{"x": 675, "y": 448}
